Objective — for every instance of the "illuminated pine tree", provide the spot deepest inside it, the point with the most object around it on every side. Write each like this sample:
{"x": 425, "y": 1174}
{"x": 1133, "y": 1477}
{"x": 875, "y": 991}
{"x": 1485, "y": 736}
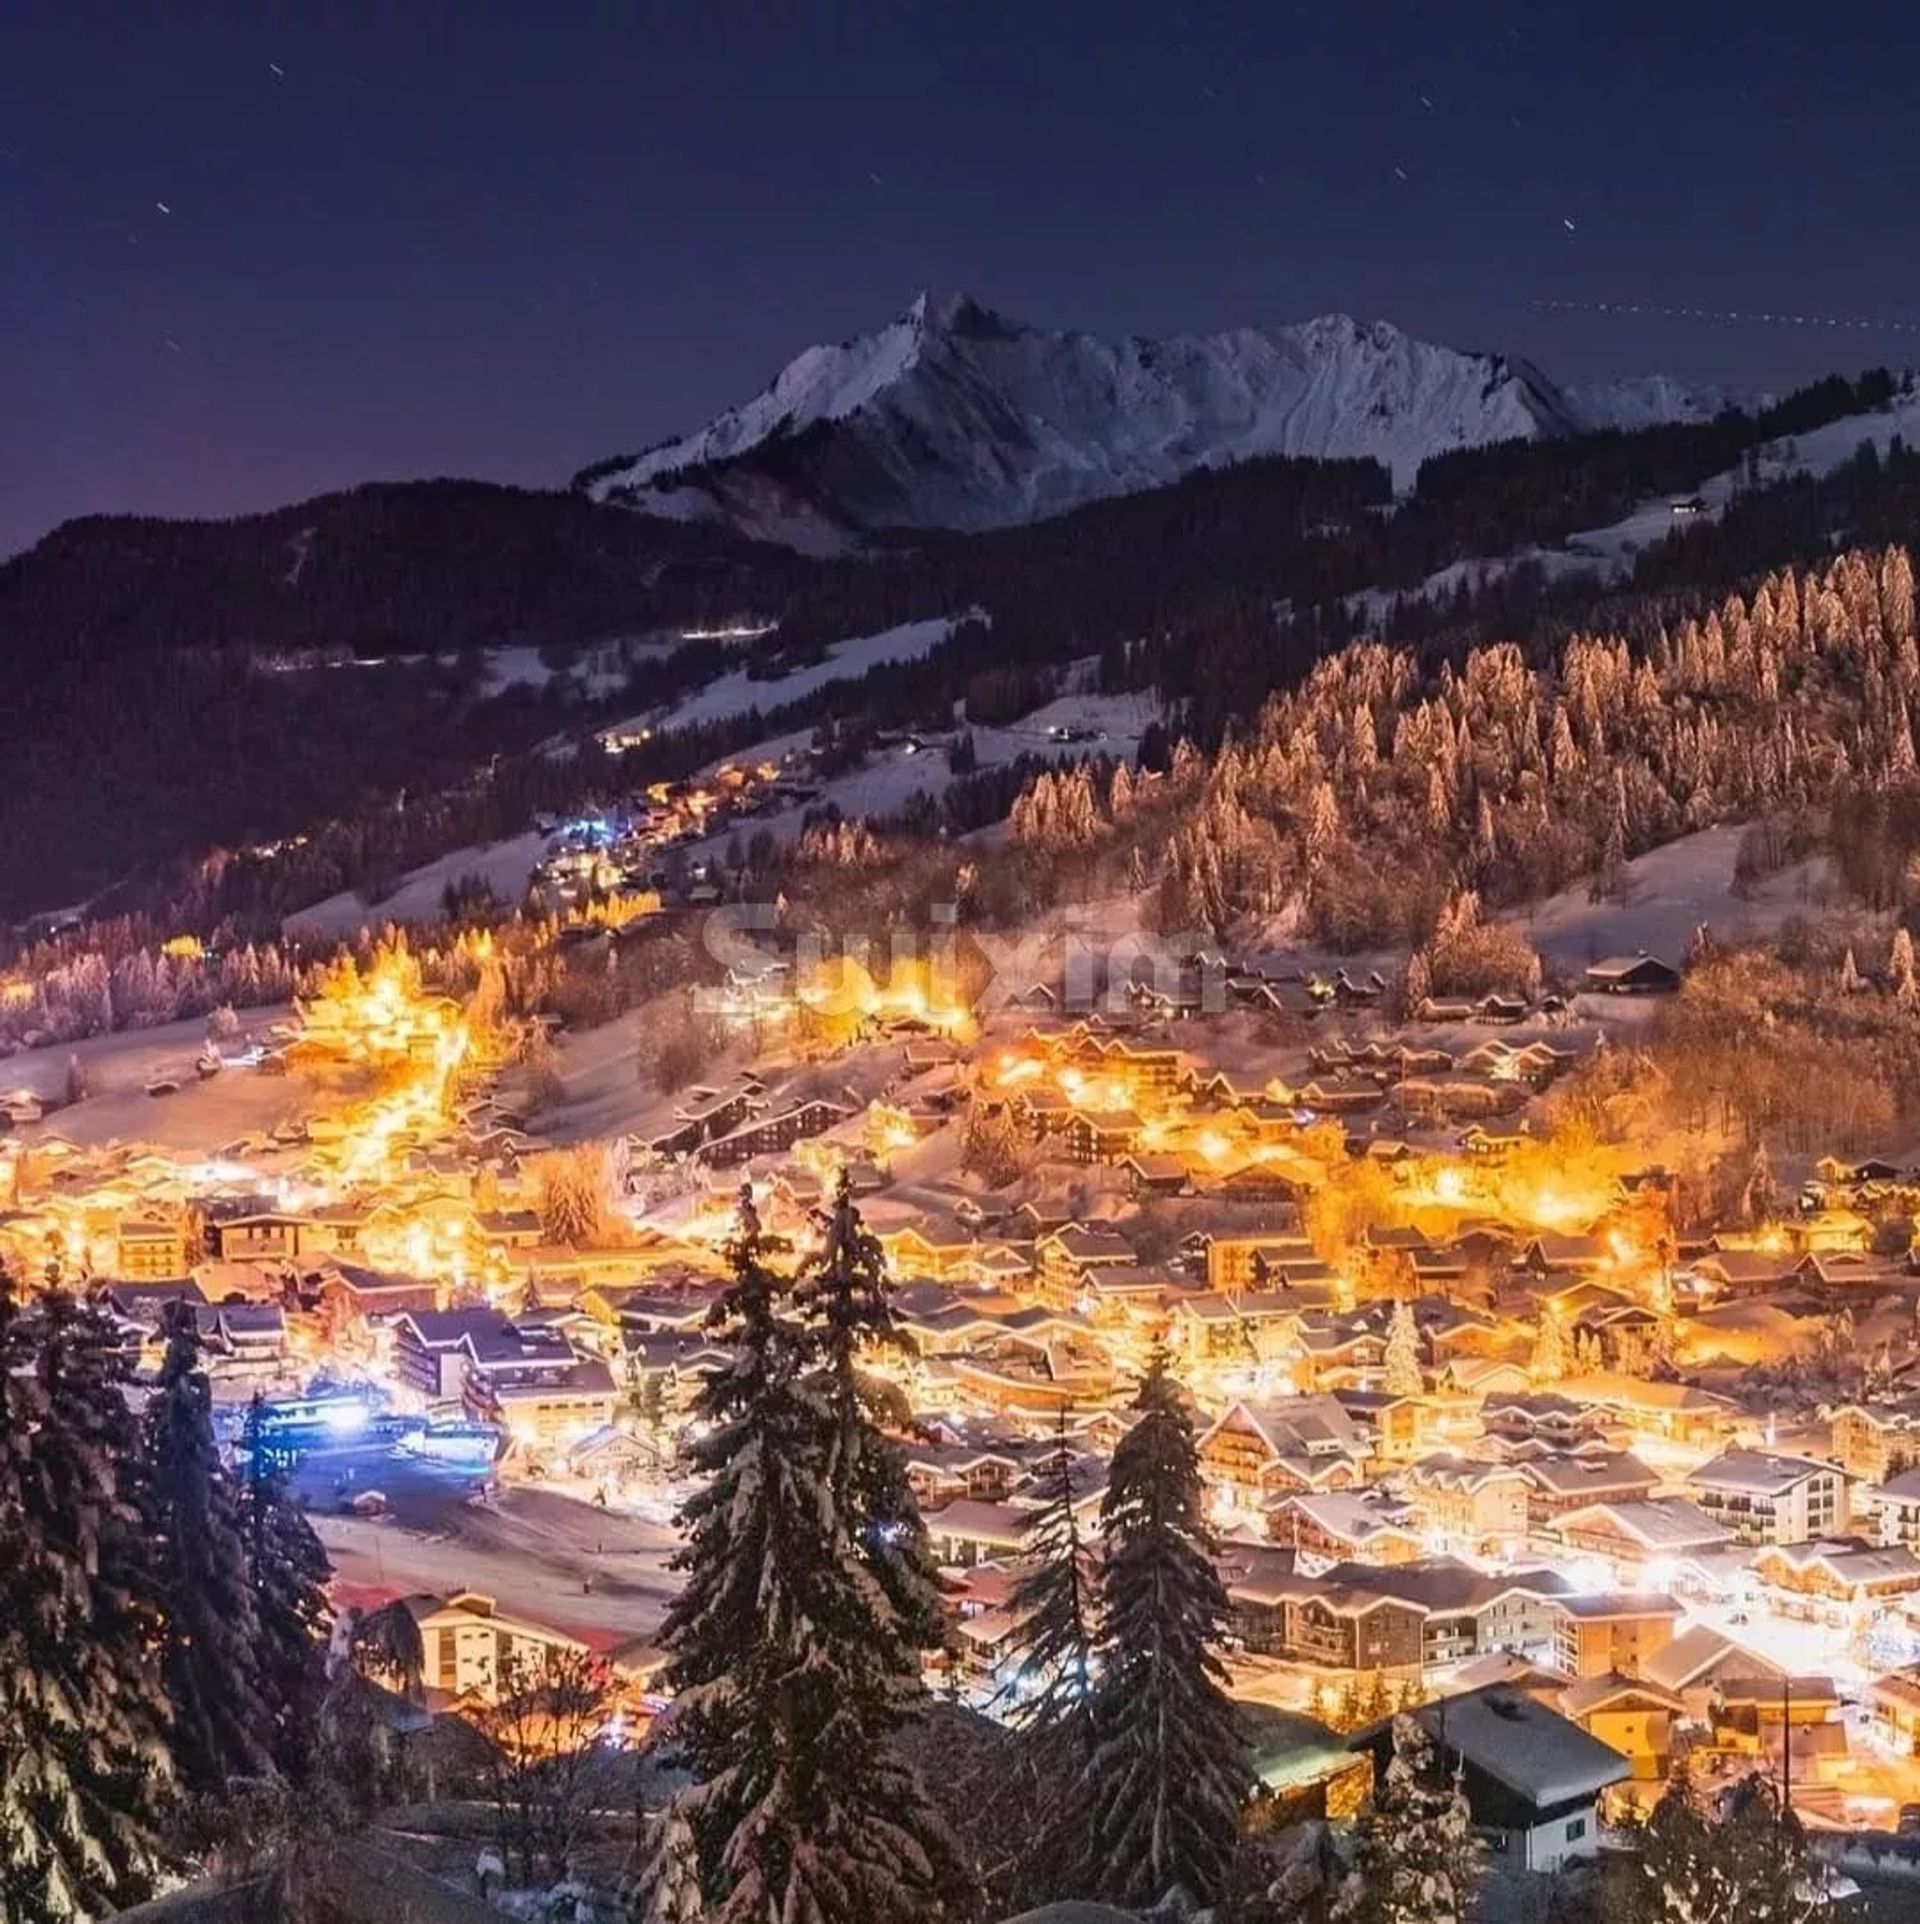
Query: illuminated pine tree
{"x": 1402, "y": 1373}
{"x": 1168, "y": 1768}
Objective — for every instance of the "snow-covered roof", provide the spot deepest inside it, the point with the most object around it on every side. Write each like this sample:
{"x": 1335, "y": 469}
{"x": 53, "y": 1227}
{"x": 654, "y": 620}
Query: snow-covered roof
{"x": 1535, "y": 1752}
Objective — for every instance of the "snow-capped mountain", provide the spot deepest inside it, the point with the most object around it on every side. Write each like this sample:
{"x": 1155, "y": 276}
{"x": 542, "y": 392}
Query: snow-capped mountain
{"x": 955, "y": 416}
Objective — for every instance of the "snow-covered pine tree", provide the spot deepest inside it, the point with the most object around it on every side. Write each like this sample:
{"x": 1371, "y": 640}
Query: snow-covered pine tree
{"x": 1415, "y": 1859}
{"x": 84, "y": 1496}
{"x": 82, "y": 1761}
{"x": 1549, "y": 1363}
{"x": 1682, "y": 1879}
{"x": 782, "y": 1655}
{"x": 843, "y": 1295}
{"x": 669, "y": 1890}
{"x": 1054, "y": 1604}
{"x": 1402, "y": 1373}
{"x": 222, "y": 1729}
{"x": 1165, "y": 1779}
{"x": 288, "y": 1570}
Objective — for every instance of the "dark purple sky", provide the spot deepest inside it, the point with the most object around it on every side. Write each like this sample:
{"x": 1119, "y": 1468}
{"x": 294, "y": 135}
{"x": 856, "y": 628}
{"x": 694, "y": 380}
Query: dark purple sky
{"x": 505, "y": 240}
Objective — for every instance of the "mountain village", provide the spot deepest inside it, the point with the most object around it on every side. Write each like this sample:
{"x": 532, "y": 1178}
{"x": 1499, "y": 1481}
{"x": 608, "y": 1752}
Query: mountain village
{"x": 1481, "y": 1430}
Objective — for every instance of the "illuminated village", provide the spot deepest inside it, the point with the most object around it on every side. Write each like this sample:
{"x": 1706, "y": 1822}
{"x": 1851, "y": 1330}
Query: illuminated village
{"x": 1473, "y": 1410}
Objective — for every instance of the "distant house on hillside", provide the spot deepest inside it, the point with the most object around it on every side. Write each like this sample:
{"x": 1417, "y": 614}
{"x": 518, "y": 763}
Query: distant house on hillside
{"x": 1640, "y": 974}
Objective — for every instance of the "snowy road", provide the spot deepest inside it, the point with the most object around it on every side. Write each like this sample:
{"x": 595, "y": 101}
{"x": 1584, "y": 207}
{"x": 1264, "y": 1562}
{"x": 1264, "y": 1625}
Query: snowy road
{"x": 533, "y": 1550}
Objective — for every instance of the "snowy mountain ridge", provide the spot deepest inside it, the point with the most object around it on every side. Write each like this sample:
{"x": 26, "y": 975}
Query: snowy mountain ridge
{"x": 956, "y": 416}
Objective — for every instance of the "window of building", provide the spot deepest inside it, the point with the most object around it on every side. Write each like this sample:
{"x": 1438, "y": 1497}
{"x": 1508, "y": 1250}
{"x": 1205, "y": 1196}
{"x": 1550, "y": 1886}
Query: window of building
{"x": 1576, "y": 1827}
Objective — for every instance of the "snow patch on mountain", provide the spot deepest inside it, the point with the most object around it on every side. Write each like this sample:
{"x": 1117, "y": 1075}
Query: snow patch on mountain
{"x": 955, "y": 416}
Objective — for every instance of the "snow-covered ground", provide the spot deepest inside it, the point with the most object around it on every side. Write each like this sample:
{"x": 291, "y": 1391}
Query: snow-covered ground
{"x": 599, "y": 671}
{"x": 737, "y": 693}
{"x": 199, "y": 1118}
{"x": 1609, "y": 552}
{"x": 505, "y": 867}
{"x": 889, "y": 779}
{"x": 1671, "y": 891}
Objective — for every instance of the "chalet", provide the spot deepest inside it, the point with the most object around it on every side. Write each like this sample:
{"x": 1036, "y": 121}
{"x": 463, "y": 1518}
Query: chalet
{"x": 968, "y": 1531}
{"x": 429, "y": 1356}
{"x": 1100, "y": 1136}
{"x": 1264, "y": 1449}
{"x": 1841, "y": 1581}
{"x": 1793, "y": 1725}
{"x": 546, "y": 1396}
{"x": 151, "y": 1249}
{"x": 1156, "y": 1174}
{"x": 1895, "y": 1705}
{"x": 942, "y": 1473}
{"x": 1476, "y": 1504}
{"x": 1699, "y": 1662}
{"x": 1360, "y": 1526}
{"x": 1529, "y": 1416}
{"x": 1893, "y": 1507}
{"x": 1532, "y": 1777}
{"x": 1636, "y": 1718}
{"x": 1677, "y": 1412}
{"x": 1347, "y": 1628}
{"x": 1618, "y": 1630}
{"x": 1640, "y": 974}
{"x": 1260, "y": 1581}
{"x": 355, "y": 1299}
{"x": 470, "y": 1647}
{"x": 776, "y": 1131}
{"x": 1209, "y": 1327}
{"x": 1763, "y": 1498}
{"x": 1634, "y": 1536}
{"x": 1572, "y": 1480}
{"x": 247, "y": 1334}
{"x": 1877, "y": 1441}
{"x": 269, "y": 1236}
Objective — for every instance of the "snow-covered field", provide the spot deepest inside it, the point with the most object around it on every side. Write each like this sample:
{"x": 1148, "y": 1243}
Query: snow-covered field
{"x": 1671, "y": 891}
{"x": 600, "y": 670}
{"x": 889, "y": 779}
{"x": 198, "y": 1119}
{"x": 505, "y": 866}
{"x": 737, "y": 693}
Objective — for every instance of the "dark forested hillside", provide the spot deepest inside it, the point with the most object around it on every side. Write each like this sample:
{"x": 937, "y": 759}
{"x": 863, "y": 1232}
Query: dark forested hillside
{"x": 1216, "y": 591}
{"x": 404, "y": 566}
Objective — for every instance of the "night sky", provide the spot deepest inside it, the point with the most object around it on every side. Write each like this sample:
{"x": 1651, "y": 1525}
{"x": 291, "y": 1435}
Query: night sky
{"x": 246, "y": 261}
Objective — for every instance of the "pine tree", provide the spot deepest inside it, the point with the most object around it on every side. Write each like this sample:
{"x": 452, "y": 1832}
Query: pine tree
{"x": 1549, "y": 1363}
{"x": 1681, "y": 1876}
{"x": 1403, "y": 1375}
{"x": 783, "y": 1658}
{"x": 1746, "y": 1862}
{"x": 1167, "y": 1770}
{"x": 288, "y": 1570}
{"x": 83, "y": 1760}
{"x": 1415, "y": 1860}
{"x": 1902, "y": 977}
{"x": 670, "y": 1882}
{"x": 1053, "y": 1603}
{"x": 211, "y": 1634}
{"x": 843, "y": 1293}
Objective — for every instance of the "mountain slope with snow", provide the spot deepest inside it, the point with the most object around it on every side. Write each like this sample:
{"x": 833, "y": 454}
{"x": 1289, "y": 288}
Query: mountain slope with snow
{"x": 954, "y": 416}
